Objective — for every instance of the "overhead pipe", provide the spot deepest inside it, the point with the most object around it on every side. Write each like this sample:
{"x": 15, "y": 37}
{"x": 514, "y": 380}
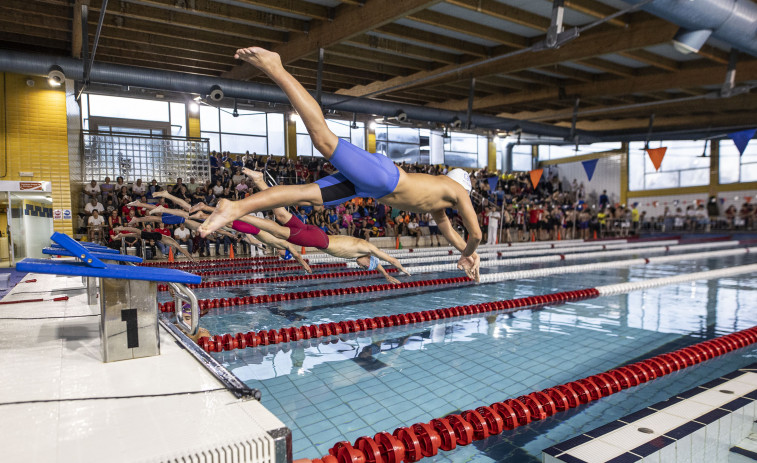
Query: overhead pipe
{"x": 115, "y": 74}
{"x": 732, "y": 21}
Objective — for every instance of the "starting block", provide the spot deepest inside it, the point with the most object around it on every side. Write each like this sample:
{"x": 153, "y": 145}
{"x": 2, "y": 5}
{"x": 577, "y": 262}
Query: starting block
{"x": 128, "y": 296}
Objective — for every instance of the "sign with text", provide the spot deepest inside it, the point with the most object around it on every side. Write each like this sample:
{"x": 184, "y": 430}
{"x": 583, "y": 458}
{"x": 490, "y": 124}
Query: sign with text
{"x": 57, "y": 214}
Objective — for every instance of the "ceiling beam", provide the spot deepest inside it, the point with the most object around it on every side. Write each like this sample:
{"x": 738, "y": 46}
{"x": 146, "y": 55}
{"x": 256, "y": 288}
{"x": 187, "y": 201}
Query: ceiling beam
{"x": 595, "y": 9}
{"x": 470, "y": 28}
{"x": 746, "y": 118}
{"x": 609, "y": 67}
{"x": 691, "y": 78}
{"x": 76, "y": 29}
{"x": 430, "y": 38}
{"x": 374, "y": 56}
{"x": 311, "y": 10}
{"x": 591, "y": 45}
{"x": 349, "y": 21}
{"x": 652, "y": 59}
{"x": 223, "y": 12}
{"x": 505, "y": 12}
{"x": 403, "y": 48}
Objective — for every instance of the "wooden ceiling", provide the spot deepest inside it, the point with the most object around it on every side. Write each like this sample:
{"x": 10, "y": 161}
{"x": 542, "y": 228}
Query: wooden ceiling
{"x": 385, "y": 47}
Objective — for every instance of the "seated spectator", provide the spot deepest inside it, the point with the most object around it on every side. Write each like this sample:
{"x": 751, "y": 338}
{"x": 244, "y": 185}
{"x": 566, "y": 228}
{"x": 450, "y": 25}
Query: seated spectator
{"x": 163, "y": 230}
{"x": 153, "y": 188}
{"x": 95, "y": 226}
{"x": 92, "y": 190}
{"x": 139, "y": 189}
{"x": 217, "y": 189}
{"x": 414, "y": 229}
{"x": 192, "y": 186}
{"x": 106, "y": 187}
{"x": 110, "y": 206}
{"x": 238, "y": 177}
{"x": 123, "y": 192}
{"x": 184, "y": 236}
{"x": 93, "y": 205}
{"x": 114, "y": 220}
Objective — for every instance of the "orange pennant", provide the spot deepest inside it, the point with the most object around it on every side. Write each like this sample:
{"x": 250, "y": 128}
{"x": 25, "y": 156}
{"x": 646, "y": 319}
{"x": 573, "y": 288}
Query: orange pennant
{"x": 535, "y": 176}
{"x": 656, "y": 155}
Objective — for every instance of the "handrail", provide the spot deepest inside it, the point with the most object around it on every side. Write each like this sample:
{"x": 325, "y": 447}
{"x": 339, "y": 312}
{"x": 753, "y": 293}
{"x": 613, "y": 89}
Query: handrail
{"x": 184, "y": 294}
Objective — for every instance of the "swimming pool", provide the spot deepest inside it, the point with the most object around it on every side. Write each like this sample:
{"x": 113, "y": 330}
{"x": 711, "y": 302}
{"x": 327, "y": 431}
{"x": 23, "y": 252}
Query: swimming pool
{"x": 336, "y": 389}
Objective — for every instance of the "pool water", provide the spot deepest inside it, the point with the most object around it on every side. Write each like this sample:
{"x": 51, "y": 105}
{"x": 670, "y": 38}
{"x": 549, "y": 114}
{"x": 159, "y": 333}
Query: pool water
{"x": 359, "y": 384}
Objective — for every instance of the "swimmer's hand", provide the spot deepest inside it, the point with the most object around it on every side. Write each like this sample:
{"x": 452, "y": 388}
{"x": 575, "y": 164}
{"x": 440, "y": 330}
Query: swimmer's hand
{"x": 470, "y": 265}
{"x": 404, "y": 270}
{"x": 392, "y": 280}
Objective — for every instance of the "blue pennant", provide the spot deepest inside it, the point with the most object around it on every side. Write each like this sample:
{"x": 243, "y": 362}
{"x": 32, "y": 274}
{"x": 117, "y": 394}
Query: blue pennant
{"x": 741, "y": 139}
{"x": 589, "y": 167}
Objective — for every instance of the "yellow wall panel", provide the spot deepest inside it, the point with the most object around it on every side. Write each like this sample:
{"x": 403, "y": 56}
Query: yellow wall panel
{"x": 34, "y": 137}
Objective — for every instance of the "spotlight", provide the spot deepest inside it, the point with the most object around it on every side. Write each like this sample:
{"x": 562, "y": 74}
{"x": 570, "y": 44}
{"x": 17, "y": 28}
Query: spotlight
{"x": 372, "y": 126}
{"x": 194, "y": 107}
{"x": 216, "y": 94}
{"x": 55, "y": 76}
{"x": 687, "y": 41}
{"x": 456, "y": 123}
{"x": 401, "y": 116}
{"x": 235, "y": 113}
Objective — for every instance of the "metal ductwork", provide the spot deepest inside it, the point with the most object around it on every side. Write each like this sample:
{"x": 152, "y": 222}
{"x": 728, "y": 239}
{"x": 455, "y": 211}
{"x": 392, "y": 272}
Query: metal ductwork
{"x": 732, "y": 21}
{"x": 106, "y": 73}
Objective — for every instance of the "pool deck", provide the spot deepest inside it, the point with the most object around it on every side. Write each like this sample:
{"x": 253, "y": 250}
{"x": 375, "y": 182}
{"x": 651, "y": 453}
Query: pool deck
{"x": 59, "y": 402}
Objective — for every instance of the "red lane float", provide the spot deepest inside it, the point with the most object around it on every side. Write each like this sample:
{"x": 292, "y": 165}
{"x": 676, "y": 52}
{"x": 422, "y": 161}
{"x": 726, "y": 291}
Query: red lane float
{"x": 409, "y": 444}
{"x": 55, "y": 299}
{"x": 229, "y": 341}
{"x": 206, "y": 304}
{"x": 282, "y": 279}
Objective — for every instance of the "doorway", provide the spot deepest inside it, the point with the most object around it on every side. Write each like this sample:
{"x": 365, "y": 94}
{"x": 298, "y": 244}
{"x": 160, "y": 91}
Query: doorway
{"x": 29, "y": 224}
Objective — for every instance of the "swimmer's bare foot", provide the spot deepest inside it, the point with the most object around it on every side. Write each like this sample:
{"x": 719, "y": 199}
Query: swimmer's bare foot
{"x": 266, "y": 61}
{"x": 196, "y": 207}
{"x": 160, "y": 194}
{"x": 226, "y": 211}
{"x": 199, "y": 216}
{"x": 257, "y": 178}
{"x": 158, "y": 210}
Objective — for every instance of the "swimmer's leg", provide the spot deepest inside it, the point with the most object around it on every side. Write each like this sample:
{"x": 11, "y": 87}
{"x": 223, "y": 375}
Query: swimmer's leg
{"x": 282, "y": 215}
{"x": 278, "y": 196}
{"x": 270, "y": 226}
{"x": 308, "y": 109}
{"x": 172, "y": 242}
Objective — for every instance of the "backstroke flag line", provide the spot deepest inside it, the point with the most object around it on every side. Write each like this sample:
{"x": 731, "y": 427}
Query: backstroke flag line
{"x": 589, "y": 167}
{"x": 741, "y": 139}
{"x": 656, "y": 155}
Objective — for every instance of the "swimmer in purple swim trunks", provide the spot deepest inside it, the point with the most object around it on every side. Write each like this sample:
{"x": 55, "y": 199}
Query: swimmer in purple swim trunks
{"x": 361, "y": 174}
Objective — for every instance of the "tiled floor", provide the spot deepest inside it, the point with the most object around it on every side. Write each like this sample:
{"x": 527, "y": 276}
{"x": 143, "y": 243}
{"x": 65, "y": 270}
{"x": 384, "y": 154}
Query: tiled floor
{"x": 59, "y": 402}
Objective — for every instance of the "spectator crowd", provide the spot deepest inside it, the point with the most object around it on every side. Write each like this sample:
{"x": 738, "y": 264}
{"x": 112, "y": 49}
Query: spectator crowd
{"x": 509, "y": 208}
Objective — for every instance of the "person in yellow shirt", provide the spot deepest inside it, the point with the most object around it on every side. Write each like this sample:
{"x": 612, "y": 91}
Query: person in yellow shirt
{"x": 635, "y": 218}
{"x": 602, "y": 219}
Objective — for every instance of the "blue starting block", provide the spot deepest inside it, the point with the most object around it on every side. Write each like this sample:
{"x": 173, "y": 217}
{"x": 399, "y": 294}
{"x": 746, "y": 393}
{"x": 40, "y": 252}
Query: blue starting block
{"x": 90, "y": 281}
{"x": 128, "y": 295}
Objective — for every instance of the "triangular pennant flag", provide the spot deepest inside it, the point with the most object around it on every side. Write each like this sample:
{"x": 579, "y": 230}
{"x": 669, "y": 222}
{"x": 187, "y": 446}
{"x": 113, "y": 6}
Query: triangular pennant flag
{"x": 741, "y": 139}
{"x": 492, "y": 183}
{"x": 656, "y": 155}
{"x": 535, "y": 176}
{"x": 589, "y": 167}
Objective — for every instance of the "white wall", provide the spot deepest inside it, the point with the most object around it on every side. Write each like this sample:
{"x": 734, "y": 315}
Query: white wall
{"x": 606, "y": 177}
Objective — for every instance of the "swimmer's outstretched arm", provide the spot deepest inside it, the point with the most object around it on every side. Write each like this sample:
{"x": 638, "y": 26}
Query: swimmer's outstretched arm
{"x": 144, "y": 219}
{"x": 388, "y": 277}
{"x": 387, "y": 258}
{"x": 469, "y": 264}
{"x": 129, "y": 229}
{"x": 270, "y": 226}
{"x": 297, "y": 256}
{"x": 164, "y": 194}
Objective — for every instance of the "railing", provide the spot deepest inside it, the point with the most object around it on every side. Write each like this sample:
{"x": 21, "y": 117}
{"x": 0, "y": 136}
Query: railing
{"x": 131, "y": 156}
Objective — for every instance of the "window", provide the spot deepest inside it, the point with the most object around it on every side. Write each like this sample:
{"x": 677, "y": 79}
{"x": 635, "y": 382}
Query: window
{"x": 522, "y": 158}
{"x": 552, "y": 152}
{"x": 735, "y": 168}
{"x": 462, "y": 150}
{"x": 342, "y": 129}
{"x": 253, "y": 131}
{"x": 135, "y": 138}
{"x": 403, "y": 144}
{"x": 682, "y": 166}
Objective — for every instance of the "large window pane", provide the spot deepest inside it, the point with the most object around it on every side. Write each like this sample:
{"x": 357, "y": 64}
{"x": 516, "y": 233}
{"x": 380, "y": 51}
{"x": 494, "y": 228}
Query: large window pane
{"x": 304, "y": 145}
{"x": 242, "y": 143}
{"x": 733, "y": 167}
{"x": 636, "y": 170}
{"x": 695, "y": 177}
{"x": 551, "y": 152}
{"x": 215, "y": 140}
{"x": 276, "y": 145}
{"x": 128, "y": 108}
{"x": 658, "y": 180}
{"x": 340, "y": 128}
{"x": 178, "y": 119}
{"x": 208, "y": 118}
{"x": 403, "y": 134}
{"x": 682, "y": 166}
{"x": 247, "y": 123}
{"x": 522, "y": 158}
{"x": 749, "y": 172}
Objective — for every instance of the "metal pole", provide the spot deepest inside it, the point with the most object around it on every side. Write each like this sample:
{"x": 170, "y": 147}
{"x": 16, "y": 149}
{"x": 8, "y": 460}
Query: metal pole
{"x": 319, "y": 77}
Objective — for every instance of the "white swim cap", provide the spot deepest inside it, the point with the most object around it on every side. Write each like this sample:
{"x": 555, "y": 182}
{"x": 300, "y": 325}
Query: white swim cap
{"x": 461, "y": 177}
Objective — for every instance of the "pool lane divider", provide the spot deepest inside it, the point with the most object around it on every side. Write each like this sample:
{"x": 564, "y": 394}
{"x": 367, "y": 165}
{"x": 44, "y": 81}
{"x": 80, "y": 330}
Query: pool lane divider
{"x": 229, "y": 341}
{"x": 206, "y": 304}
{"x": 285, "y": 278}
{"x": 22, "y": 301}
{"x": 421, "y": 440}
